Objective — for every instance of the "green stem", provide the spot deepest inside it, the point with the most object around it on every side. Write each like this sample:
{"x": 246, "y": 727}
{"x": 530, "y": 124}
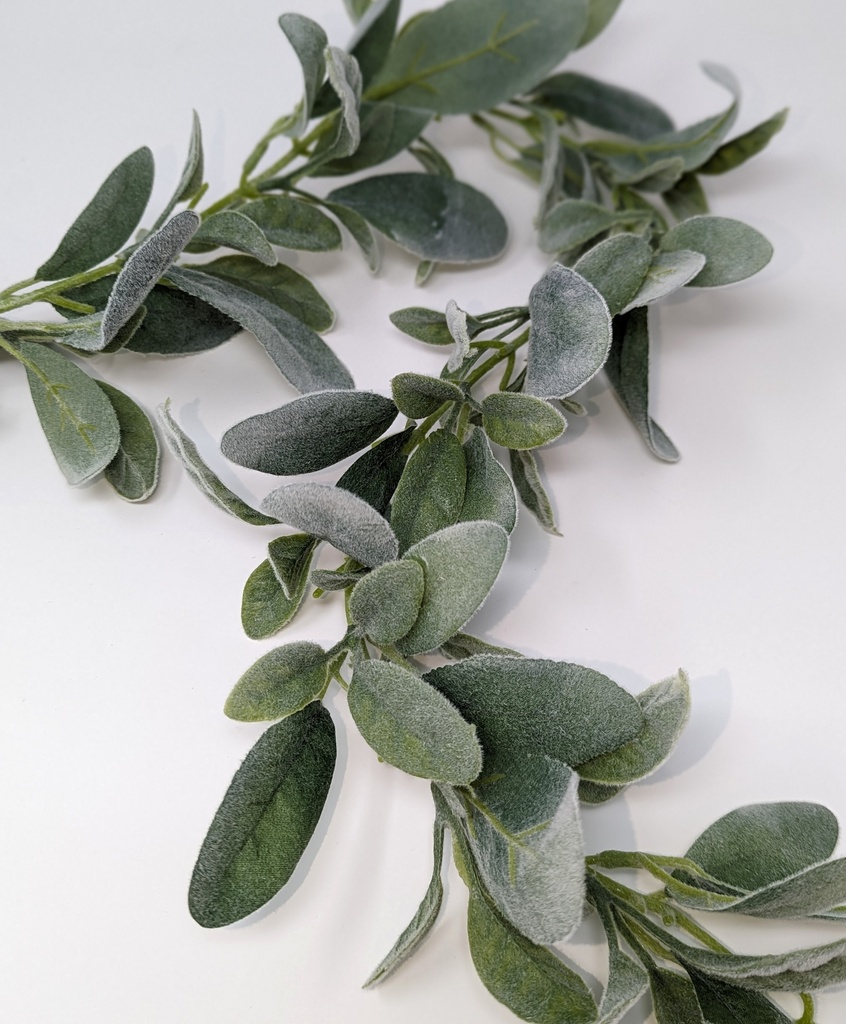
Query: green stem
{"x": 48, "y": 292}
{"x": 18, "y": 285}
{"x": 503, "y": 354}
{"x": 392, "y": 654}
{"x": 808, "y": 1009}
{"x": 423, "y": 428}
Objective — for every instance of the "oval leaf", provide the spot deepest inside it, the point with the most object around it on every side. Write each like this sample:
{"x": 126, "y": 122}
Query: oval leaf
{"x": 489, "y": 493}
{"x": 374, "y": 476}
{"x": 418, "y": 396}
{"x": 519, "y": 421}
{"x": 733, "y": 250}
{"x": 667, "y": 272}
{"x": 604, "y": 106}
{"x": 573, "y": 222}
{"x": 280, "y": 683}
{"x": 265, "y": 606}
{"x": 309, "y": 42}
{"x": 293, "y": 223}
{"x": 232, "y": 229}
{"x": 617, "y": 268}
{"x": 430, "y": 493}
{"x": 134, "y": 471}
{"x": 386, "y": 602}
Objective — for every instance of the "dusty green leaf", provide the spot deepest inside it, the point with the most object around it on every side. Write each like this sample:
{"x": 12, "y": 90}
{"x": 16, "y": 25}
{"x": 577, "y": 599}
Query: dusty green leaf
{"x": 430, "y": 325}
{"x": 465, "y": 645}
{"x": 232, "y": 229}
{"x": 309, "y": 43}
{"x": 600, "y": 12}
{"x": 309, "y": 433}
{"x": 738, "y": 150}
{"x": 430, "y": 493}
{"x": 474, "y": 54}
{"x": 456, "y": 320}
{"x": 418, "y": 396}
{"x": 374, "y": 476}
{"x": 266, "y": 819}
{"x": 604, "y": 106}
{"x": 519, "y": 421}
{"x": 627, "y": 981}
{"x": 280, "y": 683}
{"x": 336, "y": 579}
{"x": 617, "y": 268}
{"x": 361, "y": 232}
{"x": 431, "y": 217}
{"x": 291, "y": 557}
{"x": 191, "y": 179}
{"x": 570, "y": 337}
{"x": 107, "y": 222}
{"x": 593, "y": 793}
{"x": 345, "y": 79}
{"x": 76, "y": 416}
{"x": 386, "y": 602}
{"x": 293, "y": 223}
{"x": 668, "y": 272}
{"x": 386, "y": 131}
{"x": 134, "y": 471}
{"x": 489, "y": 493}
{"x": 337, "y": 516}
{"x": 527, "y": 482}
{"x": 686, "y": 198}
{"x": 411, "y": 725}
{"x": 460, "y": 564}
{"x": 733, "y": 250}
{"x": 265, "y": 607}
{"x": 574, "y": 222}
{"x": 727, "y": 1004}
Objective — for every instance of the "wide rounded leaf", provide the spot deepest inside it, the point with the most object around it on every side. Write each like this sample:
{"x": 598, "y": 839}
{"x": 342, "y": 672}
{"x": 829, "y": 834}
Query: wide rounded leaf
{"x": 280, "y": 683}
{"x": 733, "y": 250}
{"x": 386, "y": 602}
{"x": 411, "y": 725}
{"x": 519, "y": 421}
{"x": 292, "y": 223}
{"x": 309, "y": 433}
{"x": 134, "y": 471}
{"x": 266, "y": 819}
{"x": 616, "y": 268}
{"x": 418, "y": 396}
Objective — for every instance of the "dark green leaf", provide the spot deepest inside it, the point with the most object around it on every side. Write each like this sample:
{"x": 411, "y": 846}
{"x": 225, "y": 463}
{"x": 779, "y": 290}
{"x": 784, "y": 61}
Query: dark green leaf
{"x": 430, "y": 493}
{"x": 593, "y": 793}
{"x": 232, "y": 229}
{"x": 291, "y": 558}
{"x": 520, "y": 421}
{"x": 411, "y": 725}
{"x": 309, "y": 42}
{"x": 725, "y": 1004}
{"x": 107, "y": 222}
{"x": 418, "y": 396}
{"x": 527, "y": 482}
{"x": 433, "y": 218}
{"x": 429, "y": 325}
{"x": 489, "y": 493}
{"x": 474, "y": 54}
{"x": 134, "y": 471}
{"x": 737, "y": 151}
{"x": 191, "y": 179}
{"x": 574, "y": 222}
{"x": 374, "y": 476}
{"x": 386, "y": 602}
{"x": 301, "y": 355}
{"x": 617, "y": 268}
{"x": 686, "y": 198}
{"x": 279, "y": 684}
{"x": 626, "y": 980}
{"x": 331, "y": 579}
{"x": 386, "y": 130}
{"x": 733, "y": 250}
{"x": 464, "y": 645}
{"x": 361, "y": 232}
{"x": 266, "y": 819}
{"x": 310, "y": 433}
{"x": 265, "y": 607}
{"x": 293, "y": 223}
{"x": 600, "y": 12}
{"x": 373, "y": 37}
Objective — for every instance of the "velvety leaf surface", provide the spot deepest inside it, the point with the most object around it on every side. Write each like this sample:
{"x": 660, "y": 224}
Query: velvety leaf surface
{"x": 742, "y": 148}
{"x": 386, "y": 602}
{"x": 265, "y": 607}
{"x": 418, "y": 396}
{"x": 667, "y": 272}
{"x": 309, "y": 43}
{"x": 232, "y": 229}
{"x": 430, "y": 493}
{"x": 733, "y": 250}
{"x": 489, "y": 493}
{"x": 573, "y": 222}
{"x": 386, "y": 130}
{"x": 293, "y": 223}
{"x": 686, "y": 198}
{"x": 374, "y": 476}
{"x": 280, "y": 683}
{"x": 617, "y": 268}
{"x": 266, "y": 819}
{"x": 291, "y": 558}
{"x": 191, "y": 179}
{"x": 361, "y": 232}
{"x": 515, "y": 420}
{"x": 627, "y": 981}
{"x": 527, "y": 481}
{"x": 134, "y": 471}
{"x": 604, "y": 106}
{"x": 429, "y": 325}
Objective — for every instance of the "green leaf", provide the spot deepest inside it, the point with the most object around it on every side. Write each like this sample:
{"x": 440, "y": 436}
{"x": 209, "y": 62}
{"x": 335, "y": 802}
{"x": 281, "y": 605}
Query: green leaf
{"x": 309, "y": 43}
{"x": 604, "y": 106}
{"x": 733, "y": 250}
{"x": 474, "y": 54}
{"x": 345, "y": 80}
{"x": 570, "y": 337}
{"x": 335, "y": 515}
{"x": 291, "y": 558}
{"x": 265, "y": 607}
{"x": 230, "y": 228}
{"x": 423, "y": 921}
{"x": 357, "y": 8}
{"x": 666, "y": 709}
{"x": 668, "y": 272}
{"x": 279, "y": 684}
{"x": 374, "y": 476}
{"x": 76, "y": 416}
{"x": 386, "y": 602}
{"x": 281, "y": 285}
{"x": 430, "y": 325}
{"x": 593, "y": 793}
{"x": 600, "y": 12}
{"x": 465, "y": 645}
{"x": 418, "y": 396}
{"x": 686, "y": 198}
{"x": 207, "y": 481}
{"x": 266, "y": 819}
{"x": 107, "y": 222}
{"x": 431, "y": 217}
{"x": 520, "y": 421}
{"x": 617, "y": 268}
{"x": 373, "y": 37}
{"x": 412, "y": 726}
{"x": 430, "y": 493}
{"x": 293, "y": 223}
{"x": 361, "y": 233}
{"x": 456, "y": 320}
{"x": 134, "y": 471}
{"x": 489, "y": 493}
{"x": 627, "y": 981}
{"x": 301, "y": 355}
{"x": 574, "y": 222}
{"x": 568, "y": 712}
{"x": 460, "y": 564}
{"x": 726, "y": 1004}
{"x": 336, "y": 579}
{"x": 628, "y": 371}
{"x": 527, "y": 482}
{"x": 738, "y": 150}
{"x": 531, "y": 981}
{"x": 191, "y": 179}
{"x": 309, "y": 433}
{"x": 386, "y": 131}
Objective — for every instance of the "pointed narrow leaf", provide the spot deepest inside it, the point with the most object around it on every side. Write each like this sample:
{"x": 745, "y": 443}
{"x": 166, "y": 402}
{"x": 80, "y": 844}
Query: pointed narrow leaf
{"x": 489, "y": 493}
{"x": 134, "y": 471}
{"x": 604, "y": 106}
{"x": 429, "y": 325}
{"x": 456, "y": 320}
{"x": 205, "y": 479}
{"x": 432, "y": 217}
{"x": 293, "y": 223}
{"x": 570, "y": 337}
{"x": 191, "y": 178}
{"x": 386, "y": 602}
{"x": 411, "y": 725}
{"x": 668, "y": 272}
{"x": 386, "y": 131}
{"x": 738, "y": 150}
{"x": 430, "y": 493}
{"x": 527, "y": 482}
{"x": 301, "y": 355}
{"x": 309, "y": 433}
{"x": 733, "y": 250}
{"x": 266, "y": 819}
{"x": 374, "y": 476}
{"x": 232, "y": 229}
{"x": 361, "y": 232}
{"x": 309, "y": 42}
{"x": 76, "y": 416}
{"x": 345, "y": 79}
{"x": 279, "y": 684}
{"x": 627, "y": 981}
{"x": 265, "y": 607}
{"x": 418, "y": 396}
{"x": 335, "y": 515}
{"x": 515, "y": 420}
{"x": 726, "y": 1004}
{"x": 107, "y": 222}
{"x": 291, "y": 558}
{"x": 617, "y": 268}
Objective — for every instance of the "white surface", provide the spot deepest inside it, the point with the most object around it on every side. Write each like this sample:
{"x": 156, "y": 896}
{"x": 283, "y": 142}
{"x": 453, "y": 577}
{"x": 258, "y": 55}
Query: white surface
{"x": 121, "y": 635}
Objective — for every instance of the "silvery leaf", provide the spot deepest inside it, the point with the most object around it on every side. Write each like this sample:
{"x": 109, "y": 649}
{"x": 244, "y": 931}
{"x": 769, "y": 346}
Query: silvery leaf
{"x": 293, "y": 223}
{"x": 489, "y": 493}
{"x": 668, "y": 272}
{"x": 527, "y": 482}
{"x": 430, "y": 493}
{"x": 418, "y": 396}
{"x": 456, "y": 321}
{"x": 573, "y": 222}
{"x": 738, "y": 150}
{"x": 233, "y": 230}
{"x": 519, "y": 421}
{"x": 280, "y": 683}
{"x": 374, "y": 476}
{"x": 617, "y": 268}
{"x": 134, "y": 470}
{"x": 732, "y": 250}
{"x": 604, "y": 106}
{"x": 386, "y": 602}
{"x": 309, "y": 42}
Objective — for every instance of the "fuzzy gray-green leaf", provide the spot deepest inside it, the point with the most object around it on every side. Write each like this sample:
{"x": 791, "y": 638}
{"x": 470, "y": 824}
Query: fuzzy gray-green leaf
{"x": 309, "y": 433}
{"x": 232, "y": 229}
{"x": 431, "y": 491}
{"x": 266, "y": 819}
{"x": 265, "y": 607}
{"x": 465, "y": 645}
{"x": 205, "y": 479}
{"x": 460, "y": 564}
{"x": 309, "y": 43}
{"x": 75, "y": 414}
{"x": 293, "y": 223}
{"x": 386, "y": 131}
{"x": 134, "y": 471}
{"x": 733, "y": 250}
{"x": 456, "y": 320}
{"x": 686, "y": 198}
{"x": 570, "y": 337}
{"x": 738, "y": 150}
{"x": 280, "y": 683}
{"x": 727, "y": 1004}
{"x": 667, "y": 272}
{"x": 411, "y": 725}
{"x": 604, "y": 106}
{"x": 473, "y": 54}
{"x": 527, "y": 482}
{"x": 418, "y": 396}
{"x": 300, "y": 354}
{"x": 489, "y": 493}
{"x": 627, "y": 981}
{"x": 191, "y": 178}
{"x": 374, "y": 476}
{"x": 335, "y": 515}
{"x": 616, "y": 267}
{"x": 432, "y": 217}
{"x": 600, "y": 12}
{"x": 574, "y": 222}
{"x": 361, "y": 232}
{"x": 386, "y": 602}
{"x": 515, "y": 420}
{"x": 430, "y": 325}
{"x": 107, "y": 222}
{"x": 345, "y": 79}
{"x": 291, "y": 557}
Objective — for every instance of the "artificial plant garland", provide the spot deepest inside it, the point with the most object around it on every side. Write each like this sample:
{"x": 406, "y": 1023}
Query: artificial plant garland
{"x": 423, "y": 519}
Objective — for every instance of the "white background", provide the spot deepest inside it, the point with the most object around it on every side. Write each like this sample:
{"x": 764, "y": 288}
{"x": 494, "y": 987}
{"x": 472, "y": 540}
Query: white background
{"x": 120, "y": 623}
